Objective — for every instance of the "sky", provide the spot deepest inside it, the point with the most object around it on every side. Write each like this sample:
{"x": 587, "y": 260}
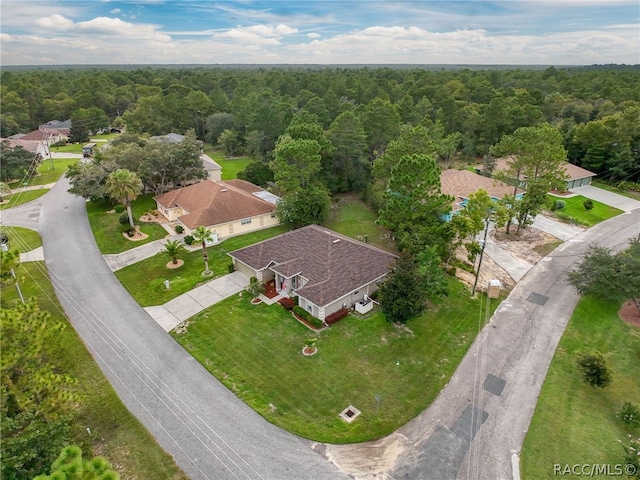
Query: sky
{"x": 477, "y": 32}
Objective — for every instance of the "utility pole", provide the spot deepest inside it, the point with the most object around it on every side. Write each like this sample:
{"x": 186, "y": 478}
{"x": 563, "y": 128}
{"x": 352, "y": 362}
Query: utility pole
{"x": 484, "y": 242}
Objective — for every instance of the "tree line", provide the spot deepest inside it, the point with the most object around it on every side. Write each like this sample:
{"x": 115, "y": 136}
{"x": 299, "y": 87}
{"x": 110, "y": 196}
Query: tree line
{"x": 245, "y": 111}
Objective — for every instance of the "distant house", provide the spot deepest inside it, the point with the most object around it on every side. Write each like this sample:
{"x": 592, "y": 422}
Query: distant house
{"x": 214, "y": 171}
{"x": 575, "y": 176}
{"x": 227, "y": 208}
{"x": 325, "y": 270}
{"x": 460, "y": 184}
{"x": 38, "y": 141}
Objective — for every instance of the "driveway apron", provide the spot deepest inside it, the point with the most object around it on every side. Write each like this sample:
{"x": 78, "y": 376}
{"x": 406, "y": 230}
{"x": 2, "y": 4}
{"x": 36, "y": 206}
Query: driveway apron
{"x": 625, "y": 204}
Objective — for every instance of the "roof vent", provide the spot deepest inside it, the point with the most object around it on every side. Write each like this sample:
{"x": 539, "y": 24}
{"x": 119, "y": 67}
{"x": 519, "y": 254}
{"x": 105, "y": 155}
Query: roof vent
{"x": 335, "y": 241}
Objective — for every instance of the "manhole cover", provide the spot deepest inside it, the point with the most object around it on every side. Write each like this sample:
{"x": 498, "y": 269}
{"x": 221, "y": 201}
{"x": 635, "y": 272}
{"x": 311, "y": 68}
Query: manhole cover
{"x": 537, "y": 298}
{"x": 493, "y": 384}
{"x": 349, "y": 414}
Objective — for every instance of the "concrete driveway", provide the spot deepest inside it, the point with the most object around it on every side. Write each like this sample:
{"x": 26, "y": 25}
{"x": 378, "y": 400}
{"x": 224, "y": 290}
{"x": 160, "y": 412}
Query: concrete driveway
{"x": 176, "y": 311}
{"x": 625, "y": 204}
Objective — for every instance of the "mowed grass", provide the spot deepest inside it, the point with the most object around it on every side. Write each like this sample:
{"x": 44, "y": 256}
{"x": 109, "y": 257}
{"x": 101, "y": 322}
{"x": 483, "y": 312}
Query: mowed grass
{"x": 230, "y": 166}
{"x": 22, "y": 239}
{"x": 115, "y": 433}
{"x": 154, "y": 270}
{"x": 389, "y": 373}
{"x": 68, "y": 148}
{"x": 573, "y": 422}
{"x": 107, "y": 230}
{"x": 574, "y": 211}
{"x": 352, "y": 217}
{"x": 21, "y": 198}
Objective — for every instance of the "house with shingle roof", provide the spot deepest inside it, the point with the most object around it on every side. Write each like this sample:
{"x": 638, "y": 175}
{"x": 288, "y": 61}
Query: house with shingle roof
{"x": 575, "y": 176}
{"x": 228, "y": 208}
{"x": 462, "y": 183}
{"x": 213, "y": 169}
{"x": 327, "y": 271}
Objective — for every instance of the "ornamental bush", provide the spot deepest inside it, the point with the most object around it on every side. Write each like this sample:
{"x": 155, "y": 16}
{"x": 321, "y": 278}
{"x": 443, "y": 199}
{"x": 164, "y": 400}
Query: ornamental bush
{"x": 630, "y": 414}
{"x": 118, "y": 208}
{"x": 124, "y": 219}
{"x": 588, "y": 204}
{"x": 179, "y": 228}
{"x": 594, "y": 369}
{"x": 188, "y": 239}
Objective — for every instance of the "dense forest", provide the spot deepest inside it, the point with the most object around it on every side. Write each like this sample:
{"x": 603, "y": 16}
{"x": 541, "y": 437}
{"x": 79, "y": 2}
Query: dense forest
{"x": 361, "y": 110}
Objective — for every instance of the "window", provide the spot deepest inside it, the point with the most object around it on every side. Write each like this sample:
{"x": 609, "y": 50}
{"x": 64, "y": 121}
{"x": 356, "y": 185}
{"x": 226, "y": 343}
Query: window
{"x": 245, "y": 221}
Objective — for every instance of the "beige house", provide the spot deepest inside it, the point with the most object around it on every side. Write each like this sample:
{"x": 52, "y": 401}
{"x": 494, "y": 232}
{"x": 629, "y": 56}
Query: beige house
{"x": 575, "y": 176}
{"x": 462, "y": 183}
{"x": 325, "y": 270}
{"x": 228, "y": 208}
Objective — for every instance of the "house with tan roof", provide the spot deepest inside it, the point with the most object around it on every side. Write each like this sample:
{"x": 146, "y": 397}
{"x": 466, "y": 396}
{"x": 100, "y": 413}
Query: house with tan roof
{"x": 228, "y": 208}
{"x": 327, "y": 271}
{"x": 575, "y": 176}
{"x": 462, "y": 183}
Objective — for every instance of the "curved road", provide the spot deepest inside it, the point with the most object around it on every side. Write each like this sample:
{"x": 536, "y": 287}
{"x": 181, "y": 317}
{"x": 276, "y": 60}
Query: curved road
{"x": 210, "y": 432}
{"x": 474, "y": 429}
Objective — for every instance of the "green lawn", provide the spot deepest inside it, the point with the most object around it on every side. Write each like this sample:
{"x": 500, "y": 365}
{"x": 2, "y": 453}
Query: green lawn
{"x": 352, "y": 217}
{"x": 23, "y": 239}
{"x": 47, "y": 175}
{"x": 230, "y": 166}
{"x": 154, "y": 270}
{"x": 115, "y": 433}
{"x": 104, "y": 136}
{"x": 69, "y": 148}
{"x": 574, "y": 211}
{"x": 20, "y": 198}
{"x": 573, "y": 422}
{"x": 389, "y": 373}
{"x": 107, "y": 230}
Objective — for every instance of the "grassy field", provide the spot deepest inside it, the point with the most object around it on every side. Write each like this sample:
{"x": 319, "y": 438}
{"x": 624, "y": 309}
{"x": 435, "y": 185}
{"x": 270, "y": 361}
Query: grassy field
{"x": 574, "y": 211}
{"x": 115, "y": 433}
{"x": 352, "y": 217}
{"x": 230, "y": 166}
{"x": 154, "y": 270}
{"x": 69, "y": 148}
{"x": 573, "y": 422}
{"x": 22, "y": 238}
{"x": 390, "y": 373}
{"x": 47, "y": 175}
{"x": 107, "y": 230}
{"x": 21, "y": 198}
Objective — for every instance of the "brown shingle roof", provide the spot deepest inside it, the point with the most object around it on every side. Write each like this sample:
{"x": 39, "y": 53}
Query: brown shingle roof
{"x": 333, "y": 264}
{"x": 574, "y": 172}
{"x": 462, "y": 183}
{"x": 212, "y": 203}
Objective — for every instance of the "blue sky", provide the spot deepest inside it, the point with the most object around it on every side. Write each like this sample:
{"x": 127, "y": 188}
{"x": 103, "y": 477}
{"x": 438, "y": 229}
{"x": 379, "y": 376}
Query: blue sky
{"x": 558, "y": 32}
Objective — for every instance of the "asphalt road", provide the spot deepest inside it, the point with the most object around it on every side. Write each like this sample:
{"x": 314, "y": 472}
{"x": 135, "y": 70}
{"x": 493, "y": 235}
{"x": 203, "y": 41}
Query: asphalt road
{"x": 209, "y": 431}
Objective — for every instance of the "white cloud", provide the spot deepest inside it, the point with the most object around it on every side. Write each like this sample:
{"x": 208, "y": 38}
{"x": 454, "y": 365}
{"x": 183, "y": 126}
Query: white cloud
{"x": 119, "y": 28}
{"x": 115, "y": 11}
{"x": 313, "y": 35}
{"x": 54, "y": 22}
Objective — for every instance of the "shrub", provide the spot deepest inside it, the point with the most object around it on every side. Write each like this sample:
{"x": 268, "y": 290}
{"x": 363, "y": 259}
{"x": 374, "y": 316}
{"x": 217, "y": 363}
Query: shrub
{"x": 118, "y": 208}
{"x": 231, "y": 268}
{"x": 188, "y": 239}
{"x": 287, "y": 303}
{"x": 594, "y": 369}
{"x": 558, "y": 205}
{"x": 302, "y": 313}
{"x": 179, "y": 228}
{"x": 255, "y": 288}
{"x": 124, "y": 219}
{"x": 630, "y": 414}
{"x": 588, "y": 204}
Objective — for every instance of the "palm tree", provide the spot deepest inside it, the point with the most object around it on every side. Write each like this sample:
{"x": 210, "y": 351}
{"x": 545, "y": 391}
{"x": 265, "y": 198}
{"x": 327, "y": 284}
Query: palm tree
{"x": 174, "y": 249}
{"x": 124, "y": 186}
{"x": 203, "y": 235}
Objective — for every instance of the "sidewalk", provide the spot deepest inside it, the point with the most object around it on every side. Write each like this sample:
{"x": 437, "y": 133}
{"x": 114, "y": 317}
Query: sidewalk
{"x": 176, "y": 311}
